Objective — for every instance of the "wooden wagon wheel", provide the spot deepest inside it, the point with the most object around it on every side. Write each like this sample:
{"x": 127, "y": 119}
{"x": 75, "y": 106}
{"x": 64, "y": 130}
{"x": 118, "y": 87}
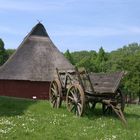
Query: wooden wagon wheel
{"x": 119, "y": 97}
{"x": 118, "y": 102}
{"x": 55, "y": 93}
{"x": 75, "y": 99}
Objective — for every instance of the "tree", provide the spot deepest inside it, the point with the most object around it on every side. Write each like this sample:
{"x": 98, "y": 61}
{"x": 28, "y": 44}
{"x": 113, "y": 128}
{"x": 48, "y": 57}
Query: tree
{"x": 126, "y": 59}
{"x": 68, "y": 55}
{"x": 85, "y": 59}
{"x": 3, "y": 54}
{"x": 9, "y": 52}
{"x": 86, "y": 63}
{"x": 101, "y": 60}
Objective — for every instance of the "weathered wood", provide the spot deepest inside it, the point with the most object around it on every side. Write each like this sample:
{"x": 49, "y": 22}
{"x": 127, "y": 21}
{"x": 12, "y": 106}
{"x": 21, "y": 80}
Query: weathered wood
{"x": 106, "y": 83}
{"x": 117, "y": 110}
{"x": 55, "y": 95}
{"x": 75, "y": 99}
{"x": 82, "y": 89}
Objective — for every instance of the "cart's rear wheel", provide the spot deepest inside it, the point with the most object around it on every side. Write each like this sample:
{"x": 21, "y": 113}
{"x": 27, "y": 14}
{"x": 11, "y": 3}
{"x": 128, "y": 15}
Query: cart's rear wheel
{"x": 118, "y": 101}
{"x": 75, "y": 100}
{"x": 55, "y": 93}
{"x": 119, "y": 97}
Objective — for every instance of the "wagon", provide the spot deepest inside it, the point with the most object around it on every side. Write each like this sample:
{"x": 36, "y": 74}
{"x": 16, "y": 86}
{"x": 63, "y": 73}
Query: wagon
{"x": 82, "y": 90}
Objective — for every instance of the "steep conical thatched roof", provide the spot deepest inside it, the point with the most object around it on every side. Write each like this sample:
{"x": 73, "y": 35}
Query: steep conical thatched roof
{"x": 36, "y": 59}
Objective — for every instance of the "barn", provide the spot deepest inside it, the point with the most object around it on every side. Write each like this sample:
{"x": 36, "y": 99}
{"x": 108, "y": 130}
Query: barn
{"x": 29, "y": 71}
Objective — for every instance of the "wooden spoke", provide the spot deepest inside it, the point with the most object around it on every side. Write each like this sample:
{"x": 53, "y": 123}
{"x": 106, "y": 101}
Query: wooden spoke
{"x": 53, "y": 91}
{"x": 54, "y": 103}
{"x": 79, "y": 109}
{"x": 71, "y": 98}
{"x": 75, "y": 99}
{"x": 79, "y": 105}
{"x": 72, "y": 93}
{"x": 72, "y": 108}
{"x": 52, "y": 99}
{"x": 54, "y": 86}
{"x": 55, "y": 94}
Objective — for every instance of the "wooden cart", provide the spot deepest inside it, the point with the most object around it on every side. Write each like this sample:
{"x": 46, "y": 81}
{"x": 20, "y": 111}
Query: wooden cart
{"x": 82, "y": 90}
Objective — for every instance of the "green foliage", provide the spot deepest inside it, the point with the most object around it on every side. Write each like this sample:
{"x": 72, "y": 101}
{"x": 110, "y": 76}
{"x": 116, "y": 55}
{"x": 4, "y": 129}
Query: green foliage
{"x": 126, "y": 59}
{"x": 22, "y": 119}
{"x": 101, "y": 55}
{"x": 10, "y": 52}
{"x": 101, "y": 60}
{"x": 67, "y": 54}
{"x": 81, "y": 58}
{"x": 3, "y": 54}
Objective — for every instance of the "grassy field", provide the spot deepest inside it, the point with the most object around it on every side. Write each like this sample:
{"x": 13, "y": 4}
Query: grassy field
{"x": 36, "y": 120}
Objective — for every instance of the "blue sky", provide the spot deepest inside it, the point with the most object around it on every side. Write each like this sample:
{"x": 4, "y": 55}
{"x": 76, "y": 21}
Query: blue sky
{"x": 73, "y": 24}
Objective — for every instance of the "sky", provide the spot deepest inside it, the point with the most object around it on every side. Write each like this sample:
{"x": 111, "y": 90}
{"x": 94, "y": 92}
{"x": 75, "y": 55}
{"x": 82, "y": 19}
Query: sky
{"x": 72, "y": 24}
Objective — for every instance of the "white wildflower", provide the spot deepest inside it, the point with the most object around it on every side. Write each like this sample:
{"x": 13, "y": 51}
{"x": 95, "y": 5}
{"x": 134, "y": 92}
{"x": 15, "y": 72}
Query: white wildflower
{"x": 23, "y": 124}
{"x": 114, "y": 137}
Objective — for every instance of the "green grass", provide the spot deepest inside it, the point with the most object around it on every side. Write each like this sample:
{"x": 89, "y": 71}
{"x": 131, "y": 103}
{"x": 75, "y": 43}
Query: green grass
{"x": 35, "y": 120}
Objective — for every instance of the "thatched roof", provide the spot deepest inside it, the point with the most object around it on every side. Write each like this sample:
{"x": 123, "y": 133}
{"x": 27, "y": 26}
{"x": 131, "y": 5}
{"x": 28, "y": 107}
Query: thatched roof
{"x": 36, "y": 59}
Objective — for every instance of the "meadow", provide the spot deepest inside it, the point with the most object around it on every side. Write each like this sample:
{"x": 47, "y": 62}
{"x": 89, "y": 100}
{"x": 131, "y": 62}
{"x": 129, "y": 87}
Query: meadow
{"x": 22, "y": 119}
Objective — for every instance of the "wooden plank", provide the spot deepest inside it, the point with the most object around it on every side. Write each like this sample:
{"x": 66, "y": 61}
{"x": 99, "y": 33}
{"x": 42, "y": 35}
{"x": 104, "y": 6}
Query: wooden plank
{"x": 104, "y": 83}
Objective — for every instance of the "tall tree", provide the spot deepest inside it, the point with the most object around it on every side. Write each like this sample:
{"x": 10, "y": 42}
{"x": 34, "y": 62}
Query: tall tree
{"x": 68, "y": 55}
{"x": 101, "y": 60}
{"x": 3, "y": 54}
{"x": 126, "y": 59}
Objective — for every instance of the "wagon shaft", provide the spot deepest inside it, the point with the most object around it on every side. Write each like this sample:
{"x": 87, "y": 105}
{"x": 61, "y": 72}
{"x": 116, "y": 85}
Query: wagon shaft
{"x": 117, "y": 110}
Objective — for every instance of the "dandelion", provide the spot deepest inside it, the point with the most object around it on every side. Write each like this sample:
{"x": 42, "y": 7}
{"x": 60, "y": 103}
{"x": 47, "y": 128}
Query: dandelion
{"x": 103, "y": 125}
{"x": 3, "y": 131}
{"x": 23, "y": 124}
{"x": 114, "y": 136}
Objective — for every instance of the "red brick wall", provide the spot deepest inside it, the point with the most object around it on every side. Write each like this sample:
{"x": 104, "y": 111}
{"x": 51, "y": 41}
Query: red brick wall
{"x": 24, "y": 89}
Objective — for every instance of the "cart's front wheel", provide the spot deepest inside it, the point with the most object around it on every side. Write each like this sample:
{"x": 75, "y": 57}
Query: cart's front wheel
{"x": 55, "y": 93}
{"x": 75, "y": 99}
